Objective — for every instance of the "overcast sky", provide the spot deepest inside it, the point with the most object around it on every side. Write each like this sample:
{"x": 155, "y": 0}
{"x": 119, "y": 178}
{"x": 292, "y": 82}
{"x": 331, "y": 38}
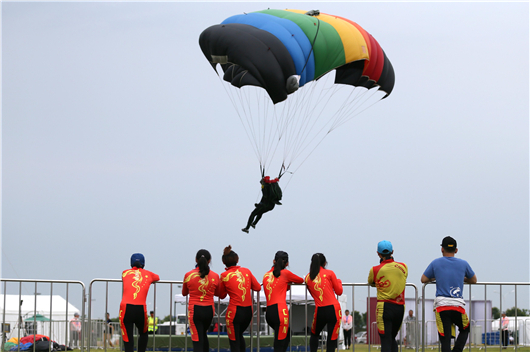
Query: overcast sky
{"x": 118, "y": 137}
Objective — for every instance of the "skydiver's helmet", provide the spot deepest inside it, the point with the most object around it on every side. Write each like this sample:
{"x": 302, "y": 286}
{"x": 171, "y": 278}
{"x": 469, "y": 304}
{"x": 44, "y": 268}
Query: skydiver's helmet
{"x": 137, "y": 260}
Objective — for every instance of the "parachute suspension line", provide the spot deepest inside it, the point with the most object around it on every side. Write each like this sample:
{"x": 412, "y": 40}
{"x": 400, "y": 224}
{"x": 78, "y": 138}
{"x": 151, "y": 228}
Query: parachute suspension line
{"x": 347, "y": 108}
{"x": 360, "y": 108}
{"x": 286, "y": 119}
{"x": 232, "y": 97}
{"x": 306, "y": 141}
{"x": 303, "y": 128}
{"x": 267, "y": 135}
{"x": 250, "y": 124}
{"x": 302, "y": 109}
{"x": 294, "y": 115}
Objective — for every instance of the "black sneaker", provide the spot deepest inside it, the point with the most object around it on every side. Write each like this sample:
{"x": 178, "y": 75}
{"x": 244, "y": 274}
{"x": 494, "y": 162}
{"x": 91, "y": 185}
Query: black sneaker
{"x": 245, "y": 230}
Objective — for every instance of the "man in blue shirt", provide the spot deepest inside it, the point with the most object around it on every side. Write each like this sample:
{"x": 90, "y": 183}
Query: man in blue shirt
{"x": 450, "y": 273}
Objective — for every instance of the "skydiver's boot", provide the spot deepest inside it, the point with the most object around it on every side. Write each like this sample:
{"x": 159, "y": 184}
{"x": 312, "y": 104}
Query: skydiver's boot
{"x": 245, "y": 230}
{"x": 253, "y": 226}
{"x": 278, "y": 202}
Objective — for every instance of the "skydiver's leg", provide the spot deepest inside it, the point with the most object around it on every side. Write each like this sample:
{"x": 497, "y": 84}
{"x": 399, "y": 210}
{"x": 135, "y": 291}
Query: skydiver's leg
{"x": 264, "y": 208}
{"x": 258, "y": 217}
{"x": 251, "y": 218}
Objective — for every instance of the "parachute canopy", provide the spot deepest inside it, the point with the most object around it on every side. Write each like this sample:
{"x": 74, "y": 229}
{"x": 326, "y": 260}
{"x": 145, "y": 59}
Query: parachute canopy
{"x": 282, "y": 50}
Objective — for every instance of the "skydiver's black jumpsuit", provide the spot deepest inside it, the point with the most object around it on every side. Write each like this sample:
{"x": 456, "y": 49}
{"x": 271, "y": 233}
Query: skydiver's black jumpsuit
{"x": 265, "y": 204}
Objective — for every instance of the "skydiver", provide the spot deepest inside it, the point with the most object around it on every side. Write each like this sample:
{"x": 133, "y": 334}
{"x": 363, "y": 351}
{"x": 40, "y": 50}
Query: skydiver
{"x": 271, "y": 195}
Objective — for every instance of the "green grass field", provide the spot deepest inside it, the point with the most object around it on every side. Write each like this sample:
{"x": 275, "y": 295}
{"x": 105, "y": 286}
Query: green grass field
{"x": 374, "y": 348}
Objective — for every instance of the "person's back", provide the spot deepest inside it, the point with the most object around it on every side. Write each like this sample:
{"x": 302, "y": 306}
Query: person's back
{"x": 390, "y": 278}
{"x": 324, "y": 287}
{"x": 275, "y": 288}
{"x": 450, "y": 273}
{"x": 201, "y": 290}
{"x": 238, "y": 282}
{"x": 135, "y": 282}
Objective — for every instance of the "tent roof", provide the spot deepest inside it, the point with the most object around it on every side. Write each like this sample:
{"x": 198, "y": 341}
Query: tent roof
{"x": 37, "y": 317}
{"x": 36, "y": 304}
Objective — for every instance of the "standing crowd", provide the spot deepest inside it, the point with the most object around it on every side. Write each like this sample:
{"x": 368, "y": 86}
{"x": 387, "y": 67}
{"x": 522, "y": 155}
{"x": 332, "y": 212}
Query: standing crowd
{"x": 389, "y": 277}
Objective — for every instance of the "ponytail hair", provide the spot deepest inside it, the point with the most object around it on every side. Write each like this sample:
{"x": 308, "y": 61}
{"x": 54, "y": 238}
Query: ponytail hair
{"x": 230, "y": 258}
{"x": 281, "y": 259}
{"x": 202, "y": 258}
{"x": 318, "y": 260}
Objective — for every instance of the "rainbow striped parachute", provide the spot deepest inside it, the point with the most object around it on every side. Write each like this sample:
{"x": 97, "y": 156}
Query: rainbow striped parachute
{"x": 281, "y": 51}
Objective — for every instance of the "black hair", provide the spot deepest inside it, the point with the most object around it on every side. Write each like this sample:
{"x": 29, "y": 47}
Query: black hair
{"x": 230, "y": 258}
{"x": 138, "y": 265}
{"x": 203, "y": 257}
{"x": 450, "y": 249}
{"x": 385, "y": 257}
{"x": 318, "y": 260}
{"x": 281, "y": 259}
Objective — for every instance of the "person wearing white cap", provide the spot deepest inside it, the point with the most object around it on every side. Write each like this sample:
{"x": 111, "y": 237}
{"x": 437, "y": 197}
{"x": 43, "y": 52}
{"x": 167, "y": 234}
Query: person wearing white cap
{"x": 390, "y": 278}
{"x": 450, "y": 273}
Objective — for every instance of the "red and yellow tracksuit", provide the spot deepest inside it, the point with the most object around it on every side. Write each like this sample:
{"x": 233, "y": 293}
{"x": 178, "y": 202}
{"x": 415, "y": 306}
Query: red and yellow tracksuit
{"x": 238, "y": 283}
{"x": 389, "y": 277}
{"x": 201, "y": 306}
{"x": 277, "y": 314}
{"x": 136, "y": 282}
{"x": 327, "y": 311}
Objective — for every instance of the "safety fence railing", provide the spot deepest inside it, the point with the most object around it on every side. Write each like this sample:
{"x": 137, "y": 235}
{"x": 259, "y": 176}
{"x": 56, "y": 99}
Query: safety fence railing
{"x": 372, "y": 332}
{"x": 97, "y": 333}
{"x": 30, "y": 315}
{"x": 153, "y": 333}
{"x": 300, "y": 304}
{"x": 479, "y": 334}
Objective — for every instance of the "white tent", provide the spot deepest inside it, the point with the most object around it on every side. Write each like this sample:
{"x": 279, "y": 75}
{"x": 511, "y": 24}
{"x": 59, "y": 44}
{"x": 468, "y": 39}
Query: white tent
{"x": 15, "y": 308}
{"x": 523, "y": 328}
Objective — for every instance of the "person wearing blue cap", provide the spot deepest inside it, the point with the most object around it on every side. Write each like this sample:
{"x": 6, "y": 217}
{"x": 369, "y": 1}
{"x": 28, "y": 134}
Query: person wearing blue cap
{"x": 450, "y": 273}
{"x": 135, "y": 283}
{"x": 390, "y": 278}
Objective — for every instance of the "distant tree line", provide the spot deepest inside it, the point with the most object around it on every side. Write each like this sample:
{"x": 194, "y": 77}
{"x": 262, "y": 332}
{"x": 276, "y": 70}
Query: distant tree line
{"x": 496, "y": 313}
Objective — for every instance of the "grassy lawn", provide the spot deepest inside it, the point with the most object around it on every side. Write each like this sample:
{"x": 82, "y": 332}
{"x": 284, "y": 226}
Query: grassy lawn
{"x": 375, "y": 348}
{"x": 364, "y": 348}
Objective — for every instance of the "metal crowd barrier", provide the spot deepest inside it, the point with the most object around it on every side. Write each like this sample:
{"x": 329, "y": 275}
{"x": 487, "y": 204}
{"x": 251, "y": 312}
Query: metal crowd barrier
{"x": 51, "y": 320}
{"x": 372, "y": 331}
{"x": 98, "y": 327}
{"x": 470, "y": 310}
